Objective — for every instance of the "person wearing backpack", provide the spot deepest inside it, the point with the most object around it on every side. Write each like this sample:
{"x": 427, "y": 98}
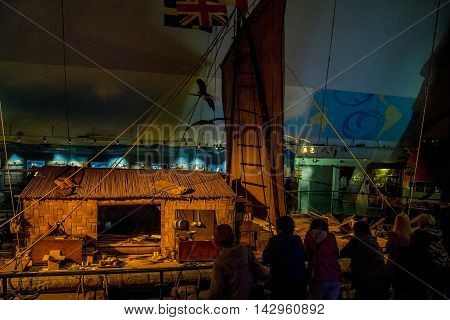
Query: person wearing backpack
{"x": 324, "y": 270}
{"x": 285, "y": 255}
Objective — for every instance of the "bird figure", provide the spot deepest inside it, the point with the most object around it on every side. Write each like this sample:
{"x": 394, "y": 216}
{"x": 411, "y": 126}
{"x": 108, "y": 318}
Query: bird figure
{"x": 202, "y": 93}
{"x": 206, "y": 122}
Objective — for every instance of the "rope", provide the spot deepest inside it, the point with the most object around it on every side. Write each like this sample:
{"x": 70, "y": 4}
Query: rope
{"x": 60, "y": 222}
{"x": 170, "y": 99}
{"x": 7, "y": 163}
{"x": 328, "y": 68}
{"x": 65, "y": 77}
{"x": 427, "y": 91}
{"x": 117, "y": 162}
{"x": 383, "y": 197}
{"x": 106, "y": 286}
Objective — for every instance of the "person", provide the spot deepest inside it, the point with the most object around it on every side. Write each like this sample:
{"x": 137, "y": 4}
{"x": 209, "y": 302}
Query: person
{"x": 291, "y": 187}
{"x": 362, "y": 199}
{"x": 286, "y": 256}
{"x": 323, "y": 253}
{"x": 342, "y": 186}
{"x": 424, "y": 273}
{"x": 368, "y": 270}
{"x": 235, "y": 269}
{"x": 399, "y": 238}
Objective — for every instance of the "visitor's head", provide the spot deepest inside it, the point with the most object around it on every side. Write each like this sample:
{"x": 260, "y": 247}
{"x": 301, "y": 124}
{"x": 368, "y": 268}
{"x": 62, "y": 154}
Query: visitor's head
{"x": 318, "y": 224}
{"x": 361, "y": 228}
{"x": 402, "y": 227}
{"x": 426, "y": 219}
{"x": 285, "y": 224}
{"x": 224, "y": 236}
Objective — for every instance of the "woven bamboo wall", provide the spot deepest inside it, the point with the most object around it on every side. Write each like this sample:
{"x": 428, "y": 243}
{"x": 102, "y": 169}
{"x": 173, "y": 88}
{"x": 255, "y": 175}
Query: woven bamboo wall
{"x": 83, "y": 221}
{"x": 168, "y": 208}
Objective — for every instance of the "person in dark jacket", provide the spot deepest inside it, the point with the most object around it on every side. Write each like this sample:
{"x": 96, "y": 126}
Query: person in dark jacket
{"x": 235, "y": 269}
{"x": 424, "y": 263}
{"x": 286, "y": 256}
{"x": 368, "y": 270}
{"x": 323, "y": 253}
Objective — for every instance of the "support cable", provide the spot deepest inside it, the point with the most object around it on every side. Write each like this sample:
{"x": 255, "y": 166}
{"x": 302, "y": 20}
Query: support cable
{"x": 328, "y": 69}
{"x": 171, "y": 98}
{"x": 8, "y": 172}
{"x": 383, "y": 197}
{"x": 425, "y": 107}
{"x": 156, "y": 117}
{"x": 65, "y": 78}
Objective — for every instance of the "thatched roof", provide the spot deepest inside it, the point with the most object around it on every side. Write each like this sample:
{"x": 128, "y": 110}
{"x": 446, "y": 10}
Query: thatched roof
{"x": 126, "y": 184}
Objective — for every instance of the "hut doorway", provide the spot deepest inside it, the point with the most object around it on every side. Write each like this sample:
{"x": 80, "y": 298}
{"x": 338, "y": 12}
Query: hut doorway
{"x": 129, "y": 229}
{"x": 130, "y": 220}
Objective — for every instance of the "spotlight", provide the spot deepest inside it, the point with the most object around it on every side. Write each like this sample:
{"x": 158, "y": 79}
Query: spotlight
{"x": 117, "y": 142}
{"x": 141, "y": 142}
{"x": 45, "y": 139}
{"x": 19, "y": 139}
{"x": 198, "y": 146}
{"x": 94, "y": 142}
{"x": 70, "y": 141}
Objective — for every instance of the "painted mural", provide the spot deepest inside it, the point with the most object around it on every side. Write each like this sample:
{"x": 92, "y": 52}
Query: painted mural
{"x": 360, "y": 116}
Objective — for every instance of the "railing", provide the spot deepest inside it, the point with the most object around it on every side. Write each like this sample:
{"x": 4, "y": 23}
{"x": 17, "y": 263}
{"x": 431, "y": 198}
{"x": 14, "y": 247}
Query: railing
{"x": 344, "y": 201}
{"x": 7, "y": 276}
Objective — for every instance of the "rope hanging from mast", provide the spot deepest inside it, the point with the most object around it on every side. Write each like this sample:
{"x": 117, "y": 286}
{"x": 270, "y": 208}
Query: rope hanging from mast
{"x": 429, "y": 80}
{"x": 8, "y": 172}
{"x": 383, "y": 197}
{"x": 175, "y": 93}
{"x": 328, "y": 69}
{"x": 65, "y": 78}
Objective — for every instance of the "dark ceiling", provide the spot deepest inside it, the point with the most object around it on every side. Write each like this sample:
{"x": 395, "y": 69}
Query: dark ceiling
{"x": 129, "y": 40}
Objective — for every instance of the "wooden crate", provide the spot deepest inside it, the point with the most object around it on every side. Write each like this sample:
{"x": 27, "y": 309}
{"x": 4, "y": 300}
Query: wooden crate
{"x": 196, "y": 250}
{"x": 72, "y": 249}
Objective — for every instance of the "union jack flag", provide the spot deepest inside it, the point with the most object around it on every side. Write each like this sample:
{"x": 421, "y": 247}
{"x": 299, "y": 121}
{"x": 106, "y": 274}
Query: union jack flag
{"x": 201, "y": 14}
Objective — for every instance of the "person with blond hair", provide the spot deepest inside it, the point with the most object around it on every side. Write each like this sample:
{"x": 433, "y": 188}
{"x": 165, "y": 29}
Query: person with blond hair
{"x": 399, "y": 238}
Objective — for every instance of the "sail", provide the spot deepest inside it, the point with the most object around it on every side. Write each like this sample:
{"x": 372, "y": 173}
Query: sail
{"x": 252, "y": 93}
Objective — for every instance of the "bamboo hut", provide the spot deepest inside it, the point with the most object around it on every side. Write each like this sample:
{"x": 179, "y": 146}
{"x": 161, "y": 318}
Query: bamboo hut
{"x": 131, "y": 211}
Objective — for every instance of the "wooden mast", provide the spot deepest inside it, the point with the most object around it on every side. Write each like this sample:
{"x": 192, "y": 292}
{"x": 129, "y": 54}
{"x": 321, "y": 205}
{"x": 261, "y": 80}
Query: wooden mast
{"x": 252, "y": 93}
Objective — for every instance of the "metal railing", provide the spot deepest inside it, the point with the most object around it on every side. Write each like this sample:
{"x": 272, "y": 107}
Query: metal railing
{"x": 5, "y": 277}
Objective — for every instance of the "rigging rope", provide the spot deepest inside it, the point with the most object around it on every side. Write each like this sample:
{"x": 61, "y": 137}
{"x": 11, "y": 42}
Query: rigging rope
{"x": 328, "y": 68}
{"x": 8, "y": 172}
{"x": 170, "y": 99}
{"x": 427, "y": 91}
{"x": 65, "y": 77}
{"x": 157, "y": 116}
{"x": 383, "y": 197}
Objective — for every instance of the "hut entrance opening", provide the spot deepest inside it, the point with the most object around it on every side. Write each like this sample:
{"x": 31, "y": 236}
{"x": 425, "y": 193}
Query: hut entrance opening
{"x": 129, "y": 220}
